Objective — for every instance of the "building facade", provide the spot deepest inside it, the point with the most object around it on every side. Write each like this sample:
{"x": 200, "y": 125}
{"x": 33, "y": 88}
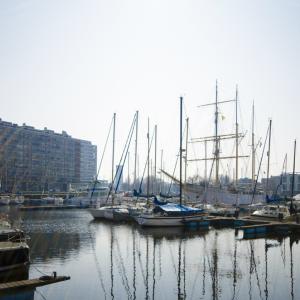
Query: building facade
{"x": 42, "y": 160}
{"x": 282, "y": 184}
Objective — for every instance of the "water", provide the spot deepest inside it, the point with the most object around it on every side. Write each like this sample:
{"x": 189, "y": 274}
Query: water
{"x": 123, "y": 261}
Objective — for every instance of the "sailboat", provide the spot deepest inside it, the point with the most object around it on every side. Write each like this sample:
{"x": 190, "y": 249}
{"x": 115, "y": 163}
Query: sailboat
{"x": 223, "y": 192}
{"x": 116, "y": 211}
{"x": 171, "y": 214}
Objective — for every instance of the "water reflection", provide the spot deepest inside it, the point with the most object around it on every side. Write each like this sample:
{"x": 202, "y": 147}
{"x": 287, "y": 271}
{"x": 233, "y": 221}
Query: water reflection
{"x": 119, "y": 261}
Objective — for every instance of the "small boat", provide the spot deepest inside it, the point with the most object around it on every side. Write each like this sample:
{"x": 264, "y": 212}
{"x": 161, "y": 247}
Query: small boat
{"x": 104, "y": 212}
{"x": 113, "y": 212}
{"x": 272, "y": 211}
{"x": 14, "y": 251}
{"x": 170, "y": 214}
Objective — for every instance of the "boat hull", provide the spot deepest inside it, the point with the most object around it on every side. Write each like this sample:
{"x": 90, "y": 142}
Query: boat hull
{"x": 166, "y": 221}
{"x": 13, "y": 255}
{"x": 97, "y": 213}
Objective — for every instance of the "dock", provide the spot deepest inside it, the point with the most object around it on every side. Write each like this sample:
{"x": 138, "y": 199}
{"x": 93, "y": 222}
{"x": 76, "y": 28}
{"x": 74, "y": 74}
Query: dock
{"x": 250, "y": 226}
{"x": 271, "y": 228}
{"x": 32, "y": 283}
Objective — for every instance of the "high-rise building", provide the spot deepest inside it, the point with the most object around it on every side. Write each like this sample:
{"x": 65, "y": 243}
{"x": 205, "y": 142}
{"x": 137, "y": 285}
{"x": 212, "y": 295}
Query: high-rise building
{"x": 42, "y": 160}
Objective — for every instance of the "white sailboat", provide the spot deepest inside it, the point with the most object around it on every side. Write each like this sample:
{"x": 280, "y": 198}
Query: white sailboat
{"x": 272, "y": 211}
{"x": 113, "y": 211}
{"x": 171, "y": 214}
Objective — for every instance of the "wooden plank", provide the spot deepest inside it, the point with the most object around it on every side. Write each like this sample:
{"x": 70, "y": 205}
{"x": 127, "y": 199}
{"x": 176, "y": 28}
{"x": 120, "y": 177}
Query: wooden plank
{"x": 32, "y": 283}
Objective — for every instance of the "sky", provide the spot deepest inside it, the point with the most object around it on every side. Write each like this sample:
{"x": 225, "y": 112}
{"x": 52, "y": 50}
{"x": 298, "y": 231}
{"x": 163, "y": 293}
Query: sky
{"x": 70, "y": 64}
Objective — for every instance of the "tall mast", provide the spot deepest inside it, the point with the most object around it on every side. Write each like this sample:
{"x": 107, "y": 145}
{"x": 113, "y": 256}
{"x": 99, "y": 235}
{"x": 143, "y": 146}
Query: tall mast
{"x": 113, "y": 158}
{"x": 135, "y": 150}
{"x": 293, "y": 178}
{"x": 128, "y": 170}
{"x": 205, "y": 162}
{"x": 148, "y": 162}
{"x": 217, "y": 154}
{"x": 186, "y": 148}
{"x": 236, "y": 139}
{"x": 161, "y": 167}
{"x": 155, "y": 155}
{"x": 269, "y": 148}
{"x": 180, "y": 154}
{"x": 113, "y": 149}
{"x": 253, "y": 149}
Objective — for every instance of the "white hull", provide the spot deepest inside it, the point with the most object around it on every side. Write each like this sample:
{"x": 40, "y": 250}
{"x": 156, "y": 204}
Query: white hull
{"x": 116, "y": 212}
{"x": 274, "y": 212}
{"x": 97, "y": 213}
{"x": 105, "y": 212}
{"x": 109, "y": 214}
{"x": 162, "y": 221}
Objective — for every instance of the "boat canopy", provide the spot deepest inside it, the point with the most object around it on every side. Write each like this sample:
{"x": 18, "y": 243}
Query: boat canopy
{"x": 172, "y": 208}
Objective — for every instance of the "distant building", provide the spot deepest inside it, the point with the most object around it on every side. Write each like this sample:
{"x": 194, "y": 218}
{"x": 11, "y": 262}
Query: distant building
{"x": 42, "y": 160}
{"x": 283, "y": 184}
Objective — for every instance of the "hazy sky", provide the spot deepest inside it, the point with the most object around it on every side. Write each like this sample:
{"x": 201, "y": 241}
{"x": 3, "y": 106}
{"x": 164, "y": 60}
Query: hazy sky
{"x": 70, "y": 64}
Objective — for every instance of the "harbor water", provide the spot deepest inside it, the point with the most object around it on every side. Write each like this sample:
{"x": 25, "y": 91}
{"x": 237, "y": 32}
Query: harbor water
{"x": 124, "y": 261}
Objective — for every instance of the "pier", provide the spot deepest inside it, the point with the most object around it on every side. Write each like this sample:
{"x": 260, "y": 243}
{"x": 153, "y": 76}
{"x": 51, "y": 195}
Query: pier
{"x": 248, "y": 225}
{"x": 32, "y": 283}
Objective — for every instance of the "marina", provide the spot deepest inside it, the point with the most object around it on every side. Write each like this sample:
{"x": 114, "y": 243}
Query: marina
{"x": 148, "y": 150}
{"x": 115, "y": 259}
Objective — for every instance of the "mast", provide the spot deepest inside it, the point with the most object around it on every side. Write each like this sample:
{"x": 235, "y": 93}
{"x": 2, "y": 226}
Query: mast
{"x": 148, "y": 158}
{"x": 293, "y": 178}
{"x": 236, "y": 147}
{"x": 269, "y": 148}
{"x": 253, "y": 149}
{"x": 155, "y": 156}
{"x": 186, "y": 148}
{"x": 113, "y": 154}
{"x": 135, "y": 150}
{"x": 180, "y": 154}
{"x": 236, "y": 139}
{"x": 113, "y": 149}
{"x": 216, "y": 135}
{"x": 216, "y": 138}
{"x": 161, "y": 167}
{"x": 205, "y": 161}
{"x": 128, "y": 170}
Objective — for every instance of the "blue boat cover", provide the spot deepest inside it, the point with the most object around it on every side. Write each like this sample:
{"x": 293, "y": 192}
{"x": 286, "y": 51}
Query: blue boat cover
{"x": 273, "y": 198}
{"x": 172, "y": 207}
